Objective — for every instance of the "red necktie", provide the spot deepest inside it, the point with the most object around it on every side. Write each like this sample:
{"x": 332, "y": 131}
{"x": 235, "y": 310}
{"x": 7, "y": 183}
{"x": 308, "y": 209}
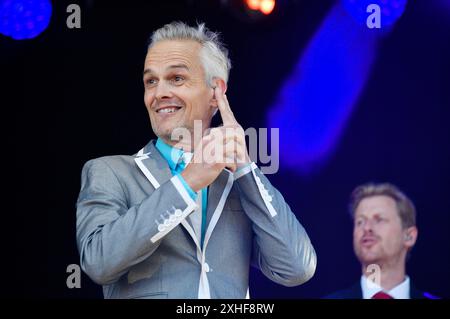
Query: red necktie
{"x": 382, "y": 295}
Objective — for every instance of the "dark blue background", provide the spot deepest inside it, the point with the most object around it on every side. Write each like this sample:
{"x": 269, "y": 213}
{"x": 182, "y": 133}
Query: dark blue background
{"x": 78, "y": 94}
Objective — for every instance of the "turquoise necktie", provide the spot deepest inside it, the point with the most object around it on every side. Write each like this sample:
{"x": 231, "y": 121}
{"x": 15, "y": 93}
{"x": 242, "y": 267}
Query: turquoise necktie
{"x": 186, "y": 157}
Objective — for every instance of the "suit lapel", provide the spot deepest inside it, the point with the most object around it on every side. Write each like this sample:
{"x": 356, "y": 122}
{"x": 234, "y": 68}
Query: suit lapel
{"x": 153, "y": 165}
{"x": 157, "y": 171}
{"x": 356, "y": 291}
{"x": 217, "y": 195}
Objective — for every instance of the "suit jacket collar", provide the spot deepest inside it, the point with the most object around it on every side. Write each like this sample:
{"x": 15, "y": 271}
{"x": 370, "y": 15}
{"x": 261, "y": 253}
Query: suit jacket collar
{"x": 215, "y": 191}
{"x": 153, "y": 165}
{"x": 157, "y": 171}
{"x": 171, "y": 154}
{"x": 356, "y": 292}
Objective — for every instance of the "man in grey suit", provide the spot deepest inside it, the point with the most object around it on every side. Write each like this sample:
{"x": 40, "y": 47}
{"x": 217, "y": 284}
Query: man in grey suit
{"x": 169, "y": 222}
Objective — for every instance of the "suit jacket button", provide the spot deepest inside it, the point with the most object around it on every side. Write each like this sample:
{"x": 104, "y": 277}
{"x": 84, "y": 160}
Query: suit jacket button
{"x": 178, "y": 212}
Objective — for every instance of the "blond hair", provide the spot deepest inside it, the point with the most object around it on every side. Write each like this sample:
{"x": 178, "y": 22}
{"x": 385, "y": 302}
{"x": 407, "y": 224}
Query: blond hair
{"x": 405, "y": 207}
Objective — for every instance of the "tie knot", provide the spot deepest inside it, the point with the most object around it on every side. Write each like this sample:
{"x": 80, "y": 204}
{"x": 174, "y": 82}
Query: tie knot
{"x": 382, "y": 295}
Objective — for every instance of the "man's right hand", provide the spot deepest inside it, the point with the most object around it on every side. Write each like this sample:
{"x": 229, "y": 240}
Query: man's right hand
{"x": 224, "y": 146}
{"x": 206, "y": 165}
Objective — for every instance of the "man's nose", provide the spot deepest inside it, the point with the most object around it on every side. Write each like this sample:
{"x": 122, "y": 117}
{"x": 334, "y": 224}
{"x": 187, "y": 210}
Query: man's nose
{"x": 163, "y": 91}
{"x": 368, "y": 226}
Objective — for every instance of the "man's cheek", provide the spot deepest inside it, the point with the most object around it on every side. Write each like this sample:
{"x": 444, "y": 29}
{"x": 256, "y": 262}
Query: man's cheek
{"x": 148, "y": 100}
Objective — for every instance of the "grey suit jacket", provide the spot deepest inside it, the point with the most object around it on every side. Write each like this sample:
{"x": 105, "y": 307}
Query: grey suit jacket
{"x": 135, "y": 240}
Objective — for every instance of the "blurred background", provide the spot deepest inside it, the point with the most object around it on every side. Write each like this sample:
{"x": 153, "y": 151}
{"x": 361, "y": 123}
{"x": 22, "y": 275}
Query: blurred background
{"x": 353, "y": 104}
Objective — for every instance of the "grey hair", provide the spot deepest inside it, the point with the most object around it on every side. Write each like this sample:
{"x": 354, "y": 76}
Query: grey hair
{"x": 213, "y": 55}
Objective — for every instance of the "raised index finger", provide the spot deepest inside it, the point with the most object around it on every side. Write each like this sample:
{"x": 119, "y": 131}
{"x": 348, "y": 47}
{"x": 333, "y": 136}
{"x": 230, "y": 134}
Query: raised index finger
{"x": 224, "y": 107}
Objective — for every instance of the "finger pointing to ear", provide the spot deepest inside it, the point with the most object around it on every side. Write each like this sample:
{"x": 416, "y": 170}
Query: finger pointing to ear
{"x": 224, "y": 107}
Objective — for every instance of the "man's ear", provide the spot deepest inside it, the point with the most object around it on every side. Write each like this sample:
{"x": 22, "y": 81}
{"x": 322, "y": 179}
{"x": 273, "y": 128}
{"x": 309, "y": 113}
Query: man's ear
{"x": 410, "y": 236}
{"x": 217, "y": 82}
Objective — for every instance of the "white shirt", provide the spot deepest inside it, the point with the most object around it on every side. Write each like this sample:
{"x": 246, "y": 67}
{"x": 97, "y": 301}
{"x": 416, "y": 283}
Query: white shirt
{"x": 400, "y": 291}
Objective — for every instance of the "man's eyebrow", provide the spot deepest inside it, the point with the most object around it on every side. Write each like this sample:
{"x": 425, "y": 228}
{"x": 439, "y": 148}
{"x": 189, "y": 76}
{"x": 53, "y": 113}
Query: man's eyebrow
{"x": 147, "y": 71}
{"x": 178, "y": 66}
{"x": 174, "y": 66}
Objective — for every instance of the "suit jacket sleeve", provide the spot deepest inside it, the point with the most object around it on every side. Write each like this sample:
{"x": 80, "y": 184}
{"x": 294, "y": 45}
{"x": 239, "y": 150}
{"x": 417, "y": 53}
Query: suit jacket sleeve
{"x": 281, "y": 246}
{"x": 112, "y": 236}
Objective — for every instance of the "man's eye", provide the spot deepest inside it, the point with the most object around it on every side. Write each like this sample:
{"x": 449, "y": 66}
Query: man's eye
{"x": 150, "y": 81}
{"x": 178, "y": 78}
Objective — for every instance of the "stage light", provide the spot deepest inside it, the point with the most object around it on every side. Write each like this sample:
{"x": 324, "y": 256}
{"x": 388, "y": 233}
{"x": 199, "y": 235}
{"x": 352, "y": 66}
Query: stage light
{"x": 390, "y": 10}
{"x": 24, "y": 19}
{"x": 264, "y": 6}
{"x": 267, "y": 6}
{"x": 253, "y": 4}
{"x": 317, "y": 99}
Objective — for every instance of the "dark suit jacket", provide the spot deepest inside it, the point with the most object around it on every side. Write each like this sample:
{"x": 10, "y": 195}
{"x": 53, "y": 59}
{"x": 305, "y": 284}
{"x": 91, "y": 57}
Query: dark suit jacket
{"x": 355, "y": 292}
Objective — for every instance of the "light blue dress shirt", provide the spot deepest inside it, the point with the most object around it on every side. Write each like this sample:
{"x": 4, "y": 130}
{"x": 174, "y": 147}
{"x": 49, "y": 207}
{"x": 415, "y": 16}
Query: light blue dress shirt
{"x": 174, "y": 157}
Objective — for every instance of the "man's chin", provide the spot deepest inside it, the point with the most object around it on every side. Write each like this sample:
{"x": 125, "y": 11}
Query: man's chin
{"x": 165, "y": 133}
{"x": 368, "y": 257}
{"x": 171, "y": 138}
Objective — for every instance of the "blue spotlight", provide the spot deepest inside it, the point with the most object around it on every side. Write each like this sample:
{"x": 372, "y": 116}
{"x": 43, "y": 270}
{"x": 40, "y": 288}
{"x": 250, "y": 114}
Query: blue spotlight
{"x": 24, "y": 19}
{"x": 391, "y": 10}
{"x": 317, "y": 99}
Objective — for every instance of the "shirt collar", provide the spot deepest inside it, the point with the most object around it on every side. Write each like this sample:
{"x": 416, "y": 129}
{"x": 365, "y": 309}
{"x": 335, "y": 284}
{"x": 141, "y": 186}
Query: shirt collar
{"x": 171, "y": 154}
{"x": 401, "y": 291}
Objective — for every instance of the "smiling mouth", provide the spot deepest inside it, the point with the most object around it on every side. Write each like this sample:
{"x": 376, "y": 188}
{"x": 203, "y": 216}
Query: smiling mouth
{"x": 168, "y": 109}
